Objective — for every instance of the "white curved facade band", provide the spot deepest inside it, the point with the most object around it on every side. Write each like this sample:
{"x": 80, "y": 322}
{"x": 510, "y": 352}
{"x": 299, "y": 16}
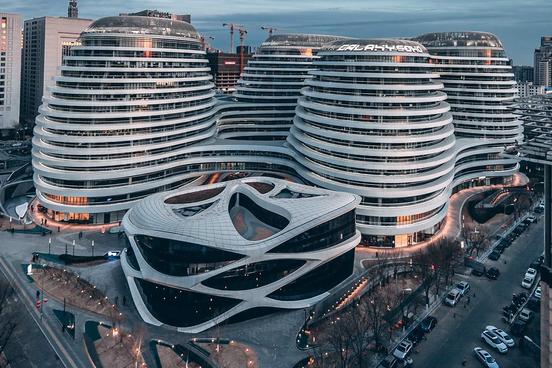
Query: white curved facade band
{"x": 373, "y": 121}
{"x": 235, "y": 250}
{"x": 266, "y": 94}
{"x": 131, "y": 97}
{"x": 480, "y": 88}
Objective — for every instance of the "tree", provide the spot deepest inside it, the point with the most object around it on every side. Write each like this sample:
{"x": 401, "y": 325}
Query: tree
{"x": 7, "y": 324}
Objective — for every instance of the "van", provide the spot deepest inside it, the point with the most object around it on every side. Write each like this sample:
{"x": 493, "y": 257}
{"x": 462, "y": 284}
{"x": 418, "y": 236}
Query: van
{"x": 453, "y": 297}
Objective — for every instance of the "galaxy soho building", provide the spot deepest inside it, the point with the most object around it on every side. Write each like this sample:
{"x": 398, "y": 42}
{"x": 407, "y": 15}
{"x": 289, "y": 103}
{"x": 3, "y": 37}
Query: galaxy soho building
{"x": 402, "y": 124}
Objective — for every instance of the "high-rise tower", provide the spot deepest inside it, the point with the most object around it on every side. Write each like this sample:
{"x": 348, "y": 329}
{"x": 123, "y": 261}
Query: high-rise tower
{"x": 73, "y": 9}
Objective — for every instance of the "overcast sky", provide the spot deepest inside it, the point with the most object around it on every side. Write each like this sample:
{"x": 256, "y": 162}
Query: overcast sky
{"x": 518, "y": 23}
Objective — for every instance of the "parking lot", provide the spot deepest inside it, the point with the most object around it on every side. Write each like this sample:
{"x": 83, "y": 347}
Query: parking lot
{"x": 459, "y": 328}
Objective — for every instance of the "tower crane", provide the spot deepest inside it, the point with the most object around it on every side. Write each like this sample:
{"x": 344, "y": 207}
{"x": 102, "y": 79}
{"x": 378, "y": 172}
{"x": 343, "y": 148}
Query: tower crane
{"x": 243, "y": 32}
{"x": 270, "y": 30}
{"x": 232, "y": 27}
{"x": 204, "y": 44}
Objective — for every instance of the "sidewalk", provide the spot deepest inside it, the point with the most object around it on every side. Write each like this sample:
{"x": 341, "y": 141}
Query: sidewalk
{"x": 451, "y": 229}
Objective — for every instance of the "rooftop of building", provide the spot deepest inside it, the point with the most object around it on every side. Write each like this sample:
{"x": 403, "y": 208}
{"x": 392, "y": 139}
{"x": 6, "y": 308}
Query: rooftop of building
{"x": 300, "y": 40}
{"x": 236, "y": 213}
{"x": 143, "y": 25}
{"x": 459, "y": 39}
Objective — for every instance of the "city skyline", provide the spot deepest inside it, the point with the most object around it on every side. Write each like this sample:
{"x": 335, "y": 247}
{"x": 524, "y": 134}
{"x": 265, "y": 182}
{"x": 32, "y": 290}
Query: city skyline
{"x": 396, "y": 18}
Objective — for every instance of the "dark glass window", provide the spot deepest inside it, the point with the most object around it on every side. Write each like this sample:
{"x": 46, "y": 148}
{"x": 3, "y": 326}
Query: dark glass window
{"x": 182, "y": 308}
{"x": 254, "y": 275}
{"x": 322, "y": 236}
{"x": 177, "y": 258}
{"x": 132, "y": 261}
{"x": 319, "y": 280}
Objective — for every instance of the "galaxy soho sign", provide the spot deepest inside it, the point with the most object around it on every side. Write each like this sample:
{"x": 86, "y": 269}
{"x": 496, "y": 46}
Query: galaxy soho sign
{"x": 381, "y": 47}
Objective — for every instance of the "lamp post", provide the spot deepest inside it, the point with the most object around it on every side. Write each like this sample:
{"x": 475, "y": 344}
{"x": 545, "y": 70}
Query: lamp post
{"x": 73, "y": 247}
{"x": 92, "y": 248}
{"x": 49, "y": 244}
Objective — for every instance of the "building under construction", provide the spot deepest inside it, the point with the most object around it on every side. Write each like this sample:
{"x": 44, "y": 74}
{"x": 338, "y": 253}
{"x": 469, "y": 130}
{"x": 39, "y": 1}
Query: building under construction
{"x": 226, "y": 68}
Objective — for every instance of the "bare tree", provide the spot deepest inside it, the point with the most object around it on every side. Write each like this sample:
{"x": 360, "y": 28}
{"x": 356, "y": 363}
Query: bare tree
{"x": 7, "y": 325}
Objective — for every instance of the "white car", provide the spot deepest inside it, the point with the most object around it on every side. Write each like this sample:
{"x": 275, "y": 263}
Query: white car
{"x": 531, "y": 219}
{"x": 485, "y": 358}
{"x": 527, "y": 282}
{"x": 493, "y": 341}
{"x": 531, "y": 273}
{"x": 453, "y": 297}
{"x": 463, "y": 287}
{"x": 525, "y": 314}
{"x": 538, "y": 292}
{"x": 503, "y": 336}
{"x": 402, "y": 350}
{"x": 113, "y": 253}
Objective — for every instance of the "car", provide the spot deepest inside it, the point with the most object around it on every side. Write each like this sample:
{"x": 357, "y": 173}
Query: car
{"x": 525, "y": 315}
{"x": 531, "y": 273}
{"x": 452, "y": 297}
{"x": 495, "y": 255}
{"x": 113, "y": 254}
{"x": 403, "y": 349}
{"x": 493, "y": 341}
{"x": 428, "y": 323}
{"x": 388, "y": 362}
{"x": 463, "y": 287}
{"x": 533, "y": 304}
{"x": 503, "y": 336}
{"x": 485, "y": 358}
{"x": 531, "y": 219}
{"x": 538, "y": 292}
{"x": 518, "y": 328}
{"x": 416, "y": 335}
{"x": 493, "y": 273}
{"x": 527, "y": 282}
{"x": 501, "y": 247}
{"x": 477, "y": 272}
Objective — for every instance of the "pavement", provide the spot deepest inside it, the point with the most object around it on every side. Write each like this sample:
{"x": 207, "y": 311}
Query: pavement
{"x": 459, "y": 329}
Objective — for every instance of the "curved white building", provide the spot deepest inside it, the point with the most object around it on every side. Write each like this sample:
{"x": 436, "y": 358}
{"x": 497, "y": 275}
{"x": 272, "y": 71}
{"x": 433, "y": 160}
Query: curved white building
{"x": 126, "y": 105}
{"x": 373, "y": 121}
{"x": 235, "y": 250}
{"x": 480, "y": 88}
{"x": 268, "y": 89}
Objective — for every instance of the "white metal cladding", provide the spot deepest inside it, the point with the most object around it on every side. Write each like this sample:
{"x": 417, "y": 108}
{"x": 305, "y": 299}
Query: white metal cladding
{"x": 267, "y": 91}
{"x": 213, "y": 228}
{"x": 127, "y": 101}
{"x": 375, "y": 123}
{"x": 480, "y": 88}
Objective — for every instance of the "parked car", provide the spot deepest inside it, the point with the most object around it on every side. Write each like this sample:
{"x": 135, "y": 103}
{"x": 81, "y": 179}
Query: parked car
{"x": 388, "y": 362}
{"x": 525, "y": 315}
{"x": 503, "y": 336}
{"x": 531, "y": 273}
{"x": 527, "y": 282}
{"x": 416, "y": 335}
{"x": 403, "y": 349}
{"x": 533, "y": 304}
{"x": 493, "y": 273}
{"x": 113, "y": 254}
{"x": 428, "y": 323}
{"x": 495, "y": 255}
{"x": 485, "y": 358}
{"x": 463, "y": 287}
{"x": 452, "y": 297}
{"x": 493, "y": 341}
{"x": 518, "y": 328}
{"x": 477, "y": 272}
{"x": 538, "y": 292}
{"x": 531, "y": 219}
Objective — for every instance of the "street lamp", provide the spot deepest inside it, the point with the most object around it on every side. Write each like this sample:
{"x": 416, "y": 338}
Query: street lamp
{"x": 73, "y": 247}
{"x": 49, "y": 244}
{"x": 92, "y": 248}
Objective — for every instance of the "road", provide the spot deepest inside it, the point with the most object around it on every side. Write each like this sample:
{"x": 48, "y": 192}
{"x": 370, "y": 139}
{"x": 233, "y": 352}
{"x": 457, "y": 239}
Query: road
{"x": 459, "y": 328}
